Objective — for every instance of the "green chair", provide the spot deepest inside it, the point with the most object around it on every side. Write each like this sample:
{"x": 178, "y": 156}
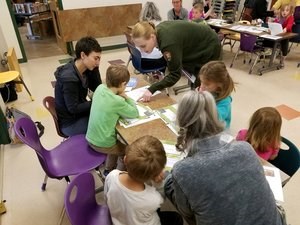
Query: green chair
{"x": 288, "y": 160}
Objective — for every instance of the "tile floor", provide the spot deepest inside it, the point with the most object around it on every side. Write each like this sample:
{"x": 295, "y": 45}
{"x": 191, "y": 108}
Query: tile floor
{"x": 25, "y": 202}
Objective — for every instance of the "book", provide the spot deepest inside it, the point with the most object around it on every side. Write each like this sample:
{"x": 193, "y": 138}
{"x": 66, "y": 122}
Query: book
{"x": 168, "y": 115}
{"x": 273, "y": 177}
{"x": 145, "y": 115}
{"x": 173, "y": 156}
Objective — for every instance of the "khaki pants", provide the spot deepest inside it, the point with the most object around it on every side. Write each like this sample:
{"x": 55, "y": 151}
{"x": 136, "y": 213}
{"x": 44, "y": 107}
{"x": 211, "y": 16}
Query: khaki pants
{"x": 115, "y": 155}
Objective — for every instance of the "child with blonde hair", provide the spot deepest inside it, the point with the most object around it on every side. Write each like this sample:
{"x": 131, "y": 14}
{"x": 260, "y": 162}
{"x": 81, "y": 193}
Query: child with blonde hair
{"x": 198, "y": 13}
{"x": 286, "y": 19}
{"x": 263, "y": 132}
{"x": 130, "y": 196}
{"x": 215, "y": 79}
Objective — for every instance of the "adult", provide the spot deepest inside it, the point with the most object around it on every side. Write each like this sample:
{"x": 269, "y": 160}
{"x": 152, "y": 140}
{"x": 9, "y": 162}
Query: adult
{"x": 184, "y": 45}
{"x": 154, "y": 59}
{"x": 221, "y": 181}
{"x": 73, "y": 80}
{"x": 177, "y": 12}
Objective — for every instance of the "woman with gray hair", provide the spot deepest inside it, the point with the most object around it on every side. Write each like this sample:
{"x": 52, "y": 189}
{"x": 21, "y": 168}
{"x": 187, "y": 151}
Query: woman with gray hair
{"x": 221, "y": 181}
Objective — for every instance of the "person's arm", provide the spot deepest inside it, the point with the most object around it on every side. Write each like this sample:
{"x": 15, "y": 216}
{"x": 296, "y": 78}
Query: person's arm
{"x": 175, "y": 194}
{"x": 170, "y": 15}
{"x": 173, "y": 56}
{"x": 71, "y": 97}
{"x": 223, "y": 108}
{"x": 289, "y": 24}
{"x": 128, "y": 109}
{"x": 94, "y": 79}
{"x": 274, "y": 154}
{"x": 241, "y": 136}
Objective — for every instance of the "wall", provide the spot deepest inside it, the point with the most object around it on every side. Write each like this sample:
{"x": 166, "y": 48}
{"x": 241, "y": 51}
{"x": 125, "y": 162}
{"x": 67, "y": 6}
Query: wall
{"x": 8, "y": 31}
{"x": 163, "y": 5}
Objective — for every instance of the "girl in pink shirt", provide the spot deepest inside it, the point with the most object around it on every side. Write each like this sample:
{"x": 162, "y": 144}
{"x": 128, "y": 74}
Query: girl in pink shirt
{"x": 263, "y": 132}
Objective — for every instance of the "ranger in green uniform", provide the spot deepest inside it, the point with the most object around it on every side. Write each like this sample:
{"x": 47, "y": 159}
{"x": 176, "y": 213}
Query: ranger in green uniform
{"x": 184, "y": 45}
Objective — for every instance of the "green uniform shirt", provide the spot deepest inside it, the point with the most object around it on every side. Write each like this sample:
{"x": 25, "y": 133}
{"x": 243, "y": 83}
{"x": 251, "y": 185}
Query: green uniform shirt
{"x": 107, "y": 108}
{"x": 185, "y": 45}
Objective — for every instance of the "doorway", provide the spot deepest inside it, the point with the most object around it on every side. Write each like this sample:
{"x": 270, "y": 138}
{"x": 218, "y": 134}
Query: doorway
{"x": 33, "y": 23}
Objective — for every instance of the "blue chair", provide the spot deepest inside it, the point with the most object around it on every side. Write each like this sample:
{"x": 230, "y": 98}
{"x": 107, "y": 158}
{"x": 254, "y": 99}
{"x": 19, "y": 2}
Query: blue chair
{"x": 288, "y": 160}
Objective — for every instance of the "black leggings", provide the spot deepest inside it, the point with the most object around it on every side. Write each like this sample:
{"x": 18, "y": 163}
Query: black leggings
{"x": 284, "y": 45}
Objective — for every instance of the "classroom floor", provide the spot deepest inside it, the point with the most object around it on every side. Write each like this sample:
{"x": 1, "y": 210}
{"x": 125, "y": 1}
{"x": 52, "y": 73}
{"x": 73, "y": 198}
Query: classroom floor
{"x": 23, "y": 176}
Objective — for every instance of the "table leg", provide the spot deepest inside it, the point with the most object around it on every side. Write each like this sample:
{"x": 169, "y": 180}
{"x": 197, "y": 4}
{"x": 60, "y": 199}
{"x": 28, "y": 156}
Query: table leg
{"x": 271, "y": 65}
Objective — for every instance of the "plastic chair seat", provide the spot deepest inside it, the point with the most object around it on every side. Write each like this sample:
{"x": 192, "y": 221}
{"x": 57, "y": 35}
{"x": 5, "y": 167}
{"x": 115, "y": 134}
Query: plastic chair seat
{"x": 8, "y": 76}
{"x": 71, "y": 157}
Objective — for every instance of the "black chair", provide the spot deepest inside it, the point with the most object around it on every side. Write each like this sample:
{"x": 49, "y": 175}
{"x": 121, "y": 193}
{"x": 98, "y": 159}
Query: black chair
{"x": 288, "y": 160}
{"x": 295, "y": 29}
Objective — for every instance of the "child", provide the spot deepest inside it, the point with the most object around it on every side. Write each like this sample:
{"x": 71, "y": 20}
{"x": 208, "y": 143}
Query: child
{"x": 263, "y": 133}
{"x": 215, "y": 78}
{"x": 197, "y": 13}
{"x": 194, "y": 3}
{"x": 109, "y": 104}
{"x": 129, "y": 198}
{"x": 286, "y": 19}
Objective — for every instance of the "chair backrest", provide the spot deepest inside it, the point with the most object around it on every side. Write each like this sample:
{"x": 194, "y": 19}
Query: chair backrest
{"x": 247, "y": 42}
{"x": 296, "y": 29}
{"x": 288, "y": 160}
{"x": 26, "y": 130}
{"x": 49, "y": 104}
{"x": 81, "y": 205}
{"x": 136, "y": 57}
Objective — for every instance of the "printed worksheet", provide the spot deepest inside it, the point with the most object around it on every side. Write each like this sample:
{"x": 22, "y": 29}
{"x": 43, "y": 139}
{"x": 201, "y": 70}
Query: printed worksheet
{"x": 273, "y": 177}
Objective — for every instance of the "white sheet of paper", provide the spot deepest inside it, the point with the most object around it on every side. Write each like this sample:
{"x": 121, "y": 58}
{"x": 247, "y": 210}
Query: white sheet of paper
{"x": 137, "y": 93}
{"x": 274, "y": 180}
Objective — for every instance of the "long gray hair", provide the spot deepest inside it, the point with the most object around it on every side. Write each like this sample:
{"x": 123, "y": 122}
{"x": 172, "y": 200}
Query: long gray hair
{"x": 150, "y": 12}
{"x": 197, "y": 118}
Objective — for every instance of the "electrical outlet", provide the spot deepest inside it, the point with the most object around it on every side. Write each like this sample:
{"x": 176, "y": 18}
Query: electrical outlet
{"x": 2, "y": 208}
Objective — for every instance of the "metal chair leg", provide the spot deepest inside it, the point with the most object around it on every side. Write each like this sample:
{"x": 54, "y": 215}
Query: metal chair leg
{"x": 44, "y": 183}
{"x": 22, "y": 82}
{"x": 254, "y": 63}
{"x": 234, "y": 58}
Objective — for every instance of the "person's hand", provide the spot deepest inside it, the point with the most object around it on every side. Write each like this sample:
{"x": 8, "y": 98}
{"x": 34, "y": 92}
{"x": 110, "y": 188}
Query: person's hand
{"x": 284, "y": 30}
{"x": 146, "y": 96}
{"x": 160, "y": 177}
{"x": 123, "y": 95}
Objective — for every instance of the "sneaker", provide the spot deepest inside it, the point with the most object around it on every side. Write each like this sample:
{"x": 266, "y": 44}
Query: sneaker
{"x": 105, "y": 173}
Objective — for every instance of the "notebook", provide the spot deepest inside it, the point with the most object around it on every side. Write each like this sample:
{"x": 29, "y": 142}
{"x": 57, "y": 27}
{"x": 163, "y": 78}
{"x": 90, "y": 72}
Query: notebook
{"x": 275, "y": 28}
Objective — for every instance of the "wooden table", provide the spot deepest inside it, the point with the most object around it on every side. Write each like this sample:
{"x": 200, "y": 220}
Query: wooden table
{"x": 291, "y": 204}
{"x": 156, "y": 128}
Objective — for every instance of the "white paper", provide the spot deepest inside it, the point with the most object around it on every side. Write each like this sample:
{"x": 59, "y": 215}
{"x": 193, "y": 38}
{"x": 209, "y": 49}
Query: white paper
{"x": 139, "y": 92}
{"x": 275, "y": 28}
{"x": 173, "y": 155}
{"x": 274, "y": 180}
{"x": 268, "y": 36}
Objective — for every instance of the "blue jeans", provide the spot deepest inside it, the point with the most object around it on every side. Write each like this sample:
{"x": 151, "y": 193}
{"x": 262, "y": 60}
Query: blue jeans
{"x": 79, "y": 127}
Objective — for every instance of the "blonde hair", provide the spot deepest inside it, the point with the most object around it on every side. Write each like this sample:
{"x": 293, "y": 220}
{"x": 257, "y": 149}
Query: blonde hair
{"x": 199, "y": 7}
{"x": 264, "y": 129}
{"x": 116, "y": 75}
{"x": 150, "y": 12}
{"x": 216, "y": 72}
{"x": 145, "y": 158}
{"x": 197, "y": 118}
{"x": 283, "y": 7}
{"x": 143, "y": 29}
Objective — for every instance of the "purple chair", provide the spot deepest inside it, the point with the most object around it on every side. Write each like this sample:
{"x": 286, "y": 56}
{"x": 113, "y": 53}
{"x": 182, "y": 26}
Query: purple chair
{"x": 71, "y": 157}
{"x": 248, "y": 45}
{"x": 81, "y": 205}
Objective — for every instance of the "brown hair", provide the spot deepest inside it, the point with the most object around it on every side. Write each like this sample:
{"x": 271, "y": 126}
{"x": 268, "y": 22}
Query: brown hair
{"x": 264, "y": 129}
{"x": 215, "y": 71}
{"x": 116, "y": 75}
{"x": 143, "y": 29}
{"x": 145, "y": 158}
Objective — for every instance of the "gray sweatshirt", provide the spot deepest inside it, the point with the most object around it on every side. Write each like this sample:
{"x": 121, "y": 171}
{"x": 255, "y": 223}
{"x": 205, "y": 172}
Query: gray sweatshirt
{"x": 222, "y": 183}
